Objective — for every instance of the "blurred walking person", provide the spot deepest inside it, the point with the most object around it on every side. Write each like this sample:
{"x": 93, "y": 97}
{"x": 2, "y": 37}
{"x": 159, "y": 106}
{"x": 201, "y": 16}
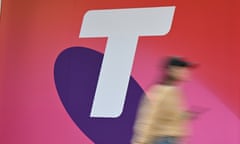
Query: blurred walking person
{"x": 162, "y": 117}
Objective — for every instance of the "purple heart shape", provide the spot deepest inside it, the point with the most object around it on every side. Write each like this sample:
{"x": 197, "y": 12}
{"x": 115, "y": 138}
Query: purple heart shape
{"x": 76, "y": 74}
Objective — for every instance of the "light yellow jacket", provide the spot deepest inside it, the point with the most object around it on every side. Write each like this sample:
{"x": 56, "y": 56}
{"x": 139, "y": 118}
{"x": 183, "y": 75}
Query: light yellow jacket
{"x": 161, "y": 113}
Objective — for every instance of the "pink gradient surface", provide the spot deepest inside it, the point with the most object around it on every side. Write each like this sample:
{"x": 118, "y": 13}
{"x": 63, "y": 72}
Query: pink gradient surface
{"x": 33, "y": 33}
{"x": 218, "y": 125}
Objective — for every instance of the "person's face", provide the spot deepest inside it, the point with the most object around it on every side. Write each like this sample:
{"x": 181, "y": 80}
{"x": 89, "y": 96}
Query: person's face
{"x": 179, "y": 73}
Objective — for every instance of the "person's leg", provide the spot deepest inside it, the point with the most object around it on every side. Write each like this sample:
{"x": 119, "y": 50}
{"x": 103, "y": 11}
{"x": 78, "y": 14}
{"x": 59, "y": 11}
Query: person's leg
{"x": 166, "y": 140}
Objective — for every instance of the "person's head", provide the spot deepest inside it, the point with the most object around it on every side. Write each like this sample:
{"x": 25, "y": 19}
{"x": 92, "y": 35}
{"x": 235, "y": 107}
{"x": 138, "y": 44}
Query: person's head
{"x": 176, "y": 70}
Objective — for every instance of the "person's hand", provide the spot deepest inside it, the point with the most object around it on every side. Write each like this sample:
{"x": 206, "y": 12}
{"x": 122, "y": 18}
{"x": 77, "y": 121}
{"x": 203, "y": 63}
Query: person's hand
{"x": 192, "y": 115}
{"x": 195, "y": 111}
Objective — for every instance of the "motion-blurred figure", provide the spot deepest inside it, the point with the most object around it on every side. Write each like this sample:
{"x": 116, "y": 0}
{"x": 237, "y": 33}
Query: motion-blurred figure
{"x": 162, "y": 117}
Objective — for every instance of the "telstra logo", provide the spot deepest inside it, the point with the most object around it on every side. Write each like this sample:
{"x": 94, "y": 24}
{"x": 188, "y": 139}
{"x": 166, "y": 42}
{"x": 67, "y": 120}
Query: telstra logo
{"x": 97, "y": 90}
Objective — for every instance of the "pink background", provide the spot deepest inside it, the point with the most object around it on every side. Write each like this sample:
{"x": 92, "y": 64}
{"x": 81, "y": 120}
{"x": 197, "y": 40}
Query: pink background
{"x": 33, "y": 33}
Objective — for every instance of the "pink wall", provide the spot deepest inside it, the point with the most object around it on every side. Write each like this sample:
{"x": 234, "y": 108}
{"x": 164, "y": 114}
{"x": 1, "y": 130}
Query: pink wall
{"x": 33, "y": 33}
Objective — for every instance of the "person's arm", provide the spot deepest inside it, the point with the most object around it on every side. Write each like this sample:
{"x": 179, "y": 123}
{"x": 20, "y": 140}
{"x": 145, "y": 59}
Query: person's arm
{"x": 144, "y": 118}
{"x": 194, "y": 112}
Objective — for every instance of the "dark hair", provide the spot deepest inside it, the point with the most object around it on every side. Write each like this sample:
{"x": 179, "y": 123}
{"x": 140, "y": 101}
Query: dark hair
{"x": 177, "y": 61}
{"x": 167, "y": 79}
